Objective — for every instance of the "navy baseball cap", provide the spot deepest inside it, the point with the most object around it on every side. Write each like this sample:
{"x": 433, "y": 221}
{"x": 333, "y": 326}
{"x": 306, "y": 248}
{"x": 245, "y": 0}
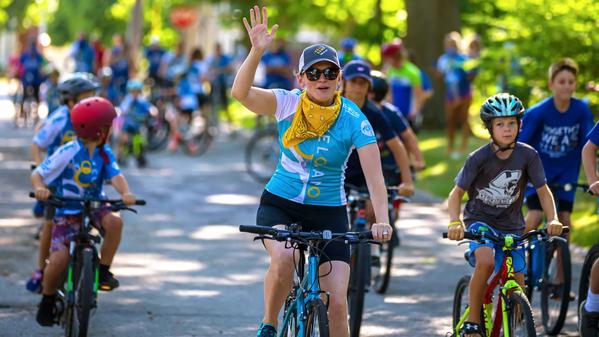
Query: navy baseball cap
{"x": 357, "y": 68}
{"x": 317, "y": 53}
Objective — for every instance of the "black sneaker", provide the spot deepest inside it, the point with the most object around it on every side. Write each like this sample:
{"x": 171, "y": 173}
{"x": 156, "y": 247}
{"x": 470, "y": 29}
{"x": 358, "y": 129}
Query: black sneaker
{"x": 266, "y": 330}
{"x": 588, "y": 323}
{"x": 107, "y": 282}
{"x": 46, "y": 312}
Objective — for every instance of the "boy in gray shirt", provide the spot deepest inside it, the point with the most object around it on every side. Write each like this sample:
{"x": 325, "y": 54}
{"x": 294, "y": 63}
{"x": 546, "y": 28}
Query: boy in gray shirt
{"x": 495, "y": 177}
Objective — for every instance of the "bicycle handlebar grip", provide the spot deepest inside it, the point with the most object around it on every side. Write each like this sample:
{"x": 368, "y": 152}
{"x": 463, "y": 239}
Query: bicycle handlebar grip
{"x": 140, "y": 202}
{"x": 445, "y": 235}
{"x": 259, "y": 230}
{"x": 565, "y": 229}
{"x": 31, "y": 195}
{"x": 366, "y": 236}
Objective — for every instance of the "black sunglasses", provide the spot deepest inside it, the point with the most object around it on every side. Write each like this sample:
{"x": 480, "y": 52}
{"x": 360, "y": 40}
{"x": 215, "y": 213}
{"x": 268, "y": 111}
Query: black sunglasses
{"x": 313, "y": 74}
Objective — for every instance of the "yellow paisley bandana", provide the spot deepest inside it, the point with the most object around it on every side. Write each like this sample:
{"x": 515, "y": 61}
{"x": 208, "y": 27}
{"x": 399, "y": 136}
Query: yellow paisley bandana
{"x": 311, "y": 120}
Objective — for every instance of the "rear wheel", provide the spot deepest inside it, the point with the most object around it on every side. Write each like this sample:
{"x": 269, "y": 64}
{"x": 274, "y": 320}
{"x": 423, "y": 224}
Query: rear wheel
{"x": 360, "y": 265}
{"x": 521, "y": 321}
{"x": 555, "y": 295}
{"x": 317, "y": 324}
{"x": 158, "y": 132}
{"x": 262, "y": 154}
{"x": 585, "y": 273}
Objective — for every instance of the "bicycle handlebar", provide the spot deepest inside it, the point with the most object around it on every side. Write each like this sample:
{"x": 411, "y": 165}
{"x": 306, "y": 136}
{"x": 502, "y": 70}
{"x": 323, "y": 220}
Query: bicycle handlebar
{"x": 356, "y": 193}
{"x": 570, "y": 186}
{"x": 116, "y": 204}
{"x": 285, "y": 235}
{"x": 479, "y": 236}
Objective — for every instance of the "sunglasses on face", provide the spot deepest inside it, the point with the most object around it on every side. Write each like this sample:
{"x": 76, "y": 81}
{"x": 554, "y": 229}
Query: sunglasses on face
{"x": 313, "y": 74}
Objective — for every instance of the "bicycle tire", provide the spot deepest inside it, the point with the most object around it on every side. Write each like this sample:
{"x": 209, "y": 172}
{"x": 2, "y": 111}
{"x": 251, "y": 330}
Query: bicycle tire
{"x": 381, "y": 281}
{"x": 290, "y": 316}
{"x": 583, "y": 286}
{"x": 554, "y": 314}
{"x": 317, "y": 318}
{"x": 460, "y": 303}
{"x": 84, "y": 291}
{"x": 360, "y": 268}
{"x": 524, "y": 315}
{"x": 262, "y": 154}
{"x": 201, "y": 134}
{"x": 159, "y": 131}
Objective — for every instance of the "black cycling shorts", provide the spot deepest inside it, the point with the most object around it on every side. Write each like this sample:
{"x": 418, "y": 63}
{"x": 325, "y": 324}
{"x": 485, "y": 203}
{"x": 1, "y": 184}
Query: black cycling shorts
{"x": 534, "y": 203}
{"x": 275, "y": 210}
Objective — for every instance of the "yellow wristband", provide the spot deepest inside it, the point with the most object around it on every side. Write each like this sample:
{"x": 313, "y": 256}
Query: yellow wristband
{"x": 456, "y": 222}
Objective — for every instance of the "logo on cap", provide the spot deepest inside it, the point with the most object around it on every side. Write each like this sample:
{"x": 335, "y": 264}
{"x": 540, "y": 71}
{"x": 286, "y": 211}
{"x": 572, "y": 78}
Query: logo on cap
{"x": 320, "y": 50}
{"x": 360, "y": 68}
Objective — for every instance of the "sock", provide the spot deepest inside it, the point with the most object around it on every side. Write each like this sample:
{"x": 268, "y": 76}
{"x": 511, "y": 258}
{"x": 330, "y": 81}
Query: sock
{"x": 592, "y": 303}
{"x": 104, "y": 268}
{"x": 49, "y": 298}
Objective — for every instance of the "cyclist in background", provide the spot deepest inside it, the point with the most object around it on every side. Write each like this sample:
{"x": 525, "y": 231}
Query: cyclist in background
{"x": 56, "y": 131}
{"x": 347, "y": 53}
{"x": 495, "y": 177}
{"x": 83, "y": 55}
{"x": 50, "y": 92}
{"x": 318, "y": 128}
{"x": 107, "y": 89}
{"x": 221, "y": 66}
{"x": 404, "y": 78}
{"x": 32, "y": 74}
{"x": 450, "y": 66}
{"x": 557, "y": 127}
{"x": 135, "y": 111}
{"x": 277, "y": 65}
{"x": 378, "y": 92}
{"x": 589, "y": 308}
{"x": 154, "y": 53}
{"x": 76, "y": 174}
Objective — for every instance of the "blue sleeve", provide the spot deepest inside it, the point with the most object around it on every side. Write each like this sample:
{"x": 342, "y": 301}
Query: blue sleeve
{"x": 426, "y": 81}
{"x": 383, "y": 126}
{"x": 594, "y": 135}
{"x": 587, "y": 124}
{"x": 53, "y": 166}
{"x": 397, "y": 119}
{"x": 530, "y": 125}
{"x": 50, "y": 129}
{"x": 112, "y": 168}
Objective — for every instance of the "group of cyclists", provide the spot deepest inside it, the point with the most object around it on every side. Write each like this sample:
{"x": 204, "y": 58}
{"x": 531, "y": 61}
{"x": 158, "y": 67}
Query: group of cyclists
{"x": 349, "y": 127}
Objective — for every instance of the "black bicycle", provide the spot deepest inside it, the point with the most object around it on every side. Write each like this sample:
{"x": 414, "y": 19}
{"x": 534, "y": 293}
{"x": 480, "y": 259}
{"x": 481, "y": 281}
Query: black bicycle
{"x": 78, "y": 293}
{"x": 585, "y": 273}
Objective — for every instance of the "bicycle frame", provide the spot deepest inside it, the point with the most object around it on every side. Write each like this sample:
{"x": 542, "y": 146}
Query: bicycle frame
{"x": 308, "y": 290}
{"x": 505, "y": 279}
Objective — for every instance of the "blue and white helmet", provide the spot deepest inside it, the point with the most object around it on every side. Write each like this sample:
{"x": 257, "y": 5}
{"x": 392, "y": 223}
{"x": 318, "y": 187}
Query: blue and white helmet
{"x": 501, "y": 105}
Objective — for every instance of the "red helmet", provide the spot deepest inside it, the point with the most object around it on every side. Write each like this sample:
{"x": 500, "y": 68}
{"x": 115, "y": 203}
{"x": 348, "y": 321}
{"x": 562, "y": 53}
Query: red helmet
{"x": 392, "y": 49}
{"x": 91, "y": 116}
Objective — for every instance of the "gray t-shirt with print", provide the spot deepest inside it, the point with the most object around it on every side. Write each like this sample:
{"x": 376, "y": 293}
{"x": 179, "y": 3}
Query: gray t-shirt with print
{"x": 496, "y": 186}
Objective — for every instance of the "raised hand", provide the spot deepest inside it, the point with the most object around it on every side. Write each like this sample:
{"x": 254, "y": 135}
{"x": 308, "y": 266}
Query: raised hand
{"x": 258, "y": 28}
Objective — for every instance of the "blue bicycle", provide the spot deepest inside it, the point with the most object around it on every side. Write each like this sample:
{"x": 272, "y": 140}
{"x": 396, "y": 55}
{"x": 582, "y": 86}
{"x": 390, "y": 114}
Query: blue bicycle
{"x": 549, "y": 271}
{"x": 305, "y": 312}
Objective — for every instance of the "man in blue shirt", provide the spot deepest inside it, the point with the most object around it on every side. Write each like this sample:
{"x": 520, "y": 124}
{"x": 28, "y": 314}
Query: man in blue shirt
{"x": 277, "y": 64}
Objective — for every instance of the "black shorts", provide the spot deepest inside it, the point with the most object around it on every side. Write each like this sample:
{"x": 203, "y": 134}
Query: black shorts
{"x": 274, "y": 210}
{"x": 534, "y": 203}
{"x": 392, "y": 178}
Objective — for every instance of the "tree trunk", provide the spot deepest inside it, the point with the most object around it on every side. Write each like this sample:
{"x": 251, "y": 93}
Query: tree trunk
{"x": 134, "y": 34}
{"x": 428, "y": 22}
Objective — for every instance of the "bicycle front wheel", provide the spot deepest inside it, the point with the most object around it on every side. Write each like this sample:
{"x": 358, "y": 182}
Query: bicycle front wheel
{"x": 521, "y": 321}
{"x": 317, "y": 324}
{"x": 290, "y": 314}
{"x": 84, "y": 291}
{"x": 585, "y": 273}
{"x": 555, "y": 290}
{"x": 460, "y": 301}
{"x": 360, "y": 265}
{"x": 381, "y": 280}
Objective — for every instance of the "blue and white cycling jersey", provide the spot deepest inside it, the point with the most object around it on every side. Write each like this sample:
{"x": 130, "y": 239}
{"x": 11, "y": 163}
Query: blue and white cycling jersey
{"x": 56, "y": 130}
{"x": 75, "y": 174}
{"x": 313, "y": 172}
{"x": 135, "y": 112}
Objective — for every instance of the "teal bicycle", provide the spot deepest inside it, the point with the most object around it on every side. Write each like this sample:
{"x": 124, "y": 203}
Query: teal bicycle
{"x": 305, "y": 312}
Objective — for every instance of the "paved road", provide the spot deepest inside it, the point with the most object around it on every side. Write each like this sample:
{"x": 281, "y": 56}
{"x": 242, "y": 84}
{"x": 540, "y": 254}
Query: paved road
{"x": 186, "y": 271}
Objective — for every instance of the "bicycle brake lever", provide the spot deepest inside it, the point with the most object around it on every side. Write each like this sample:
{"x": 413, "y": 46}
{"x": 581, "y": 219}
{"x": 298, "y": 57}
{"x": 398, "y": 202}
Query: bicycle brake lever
{"x": 374, "y": 242}
{"x": 120, "y": 208}
{"x": 263, "y": 237}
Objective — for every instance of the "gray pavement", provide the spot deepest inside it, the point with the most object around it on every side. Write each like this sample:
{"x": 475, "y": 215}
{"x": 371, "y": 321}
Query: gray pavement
{"x": 184, "y": 268}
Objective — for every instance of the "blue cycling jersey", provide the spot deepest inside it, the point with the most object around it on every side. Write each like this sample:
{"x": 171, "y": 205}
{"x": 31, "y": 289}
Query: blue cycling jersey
{"x": 77, "y": 175}
{"x": 135, "y": 112}
{"x": 56, "y": 130}
{"x": 313, "y": 171}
